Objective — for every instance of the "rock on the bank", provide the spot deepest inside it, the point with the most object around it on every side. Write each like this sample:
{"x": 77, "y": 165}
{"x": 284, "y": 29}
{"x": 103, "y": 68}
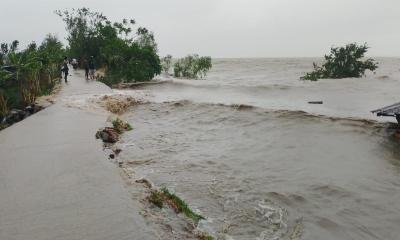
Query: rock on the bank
{"x": 108, "y": 135}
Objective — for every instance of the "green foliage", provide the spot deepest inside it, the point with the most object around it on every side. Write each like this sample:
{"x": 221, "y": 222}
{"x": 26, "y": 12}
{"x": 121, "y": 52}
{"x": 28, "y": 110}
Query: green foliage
{"x": 159, "y": 197}
{"x": 29, "y": 73}
{"x": 181, "y": 205}
{"x": 121, "y": 126}
{"x": 205, "y": 237}
{"x": 125, "y": 55}
{"x": 130, "y": 63}
{"x": 166, "y": 63}
{"x": 3, "y": 126}
{"x": 192, "y": 66}
{"x": 156, "y": 198}
{"x": 343, "y": 62}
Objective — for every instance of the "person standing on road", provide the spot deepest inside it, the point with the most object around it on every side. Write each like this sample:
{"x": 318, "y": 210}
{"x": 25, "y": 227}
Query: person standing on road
{"x": 65, "y": 69}
{"x": 91, "y": 67}
{"x": 86, "y": 66}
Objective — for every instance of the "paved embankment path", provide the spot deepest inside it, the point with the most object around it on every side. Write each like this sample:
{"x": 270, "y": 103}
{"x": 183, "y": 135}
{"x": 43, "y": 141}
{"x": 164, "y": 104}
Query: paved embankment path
{"x": 56, "y": 183}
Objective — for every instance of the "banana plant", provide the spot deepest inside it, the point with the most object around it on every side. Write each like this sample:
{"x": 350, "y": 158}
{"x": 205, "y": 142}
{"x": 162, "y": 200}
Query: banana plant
{"x": 27, "y": 67}
{"x": 4, "y": 76}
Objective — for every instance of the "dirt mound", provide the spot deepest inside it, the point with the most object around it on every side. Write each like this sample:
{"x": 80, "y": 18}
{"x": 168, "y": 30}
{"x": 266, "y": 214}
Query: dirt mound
{"x": 118, "y": 104}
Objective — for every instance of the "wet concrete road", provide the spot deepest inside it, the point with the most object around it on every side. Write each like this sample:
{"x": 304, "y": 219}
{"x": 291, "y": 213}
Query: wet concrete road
{"x": 56, "y": 183}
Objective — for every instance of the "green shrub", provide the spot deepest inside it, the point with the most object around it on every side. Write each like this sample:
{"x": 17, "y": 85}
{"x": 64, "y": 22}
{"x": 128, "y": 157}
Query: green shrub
{"x": 156, "y": 198}
{"x": 192, "y": 66}
{"x": 121, "y": 126}
{"x": 343, "y": 62}
{"x": 166, "y": 63}
{"x": 205, "y": 237}
{"x": 181, "y": 205}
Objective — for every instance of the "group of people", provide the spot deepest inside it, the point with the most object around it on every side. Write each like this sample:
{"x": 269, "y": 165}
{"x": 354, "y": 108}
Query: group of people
{"x": 89, "y": 67}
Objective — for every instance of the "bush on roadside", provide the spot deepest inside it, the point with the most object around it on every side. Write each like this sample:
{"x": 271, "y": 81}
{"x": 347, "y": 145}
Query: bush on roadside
{"x": 28, "y": 73}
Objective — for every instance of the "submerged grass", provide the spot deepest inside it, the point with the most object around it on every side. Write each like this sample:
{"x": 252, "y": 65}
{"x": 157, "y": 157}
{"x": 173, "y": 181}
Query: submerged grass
{"x": 181, "y": 205}
{"x": 121, "y": 126}
{"x": 156, "y": 198}
{"x": 205, "y": 237}
{"x": 159, "y": 197}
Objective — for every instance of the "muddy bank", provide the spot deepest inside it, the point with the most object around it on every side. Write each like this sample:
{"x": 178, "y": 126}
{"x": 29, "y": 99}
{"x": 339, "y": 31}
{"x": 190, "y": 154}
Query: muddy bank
{"x": 169, "y": 215}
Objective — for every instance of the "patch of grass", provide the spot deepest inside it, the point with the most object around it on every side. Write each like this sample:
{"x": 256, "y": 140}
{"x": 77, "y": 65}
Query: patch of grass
{"x": 164, "y": 196}
{"x": 121, "y": 126}
{"x": 205, "y": 237}
{"x": 156, "y": 198}
{"x": 48, "y": 90}
{"x": 180, "y": 205}
{"x": 3, "y": 126}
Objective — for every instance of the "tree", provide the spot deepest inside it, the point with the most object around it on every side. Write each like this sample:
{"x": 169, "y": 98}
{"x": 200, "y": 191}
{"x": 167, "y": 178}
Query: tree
{"x": 145, "y": 39}
{"x": 166, "y": 63}
{"x": 192, "y": 66}
{"x": 343, "y": 62}
{"x": 131, "y": 62}
{"x": 51, "y": 53}
{"x": 125, "y": 55}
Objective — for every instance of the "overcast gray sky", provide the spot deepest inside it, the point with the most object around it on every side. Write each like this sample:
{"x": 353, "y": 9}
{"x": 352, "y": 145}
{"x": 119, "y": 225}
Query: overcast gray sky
{"x": 227, "y": 28}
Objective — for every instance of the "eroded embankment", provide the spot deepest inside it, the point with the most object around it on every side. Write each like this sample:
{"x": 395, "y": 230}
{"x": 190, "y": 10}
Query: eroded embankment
{"x": 252, "y": 172}
{"x": 160, "y": 205}
{"x": 259, "y": 173}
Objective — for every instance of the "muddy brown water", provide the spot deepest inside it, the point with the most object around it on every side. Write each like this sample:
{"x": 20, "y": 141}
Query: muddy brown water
{"x": 270, "y": 169}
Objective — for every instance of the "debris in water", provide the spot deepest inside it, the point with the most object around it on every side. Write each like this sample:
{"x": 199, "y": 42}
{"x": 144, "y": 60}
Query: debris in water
{"x": 117, "y": 104}
{"x": 175, "y": 202}
{"x": 108, "y": 135}
{"x": 121, "y": 126}
{"x": 156, "y": 198}
{"x": 145, "y": 182}
{"x": 315, "y": 102}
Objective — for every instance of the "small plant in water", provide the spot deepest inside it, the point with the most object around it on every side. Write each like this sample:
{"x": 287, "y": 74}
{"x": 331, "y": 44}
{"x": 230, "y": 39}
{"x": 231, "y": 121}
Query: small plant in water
{"x": 180, "y": 205}
{"x": 205, "y": 237}
{"x": 159, "y": 197}
{"x": 343, "y": 62}
{"x": 121, "y": 126}
{"x": 192, "y": 66}
{"x": 156, "y": 198}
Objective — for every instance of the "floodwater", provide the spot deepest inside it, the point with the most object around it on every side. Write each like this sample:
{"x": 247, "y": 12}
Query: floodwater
{"x": 245, "y": 149}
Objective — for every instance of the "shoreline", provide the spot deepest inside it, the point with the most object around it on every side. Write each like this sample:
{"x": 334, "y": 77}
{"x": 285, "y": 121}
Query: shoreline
{"x": 158, "y": 204}
{"x": 142, "y": 190}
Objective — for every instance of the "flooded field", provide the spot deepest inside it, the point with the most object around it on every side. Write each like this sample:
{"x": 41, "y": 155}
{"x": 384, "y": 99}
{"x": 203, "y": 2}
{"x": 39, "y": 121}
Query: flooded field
{"x": 245, "y": 149}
